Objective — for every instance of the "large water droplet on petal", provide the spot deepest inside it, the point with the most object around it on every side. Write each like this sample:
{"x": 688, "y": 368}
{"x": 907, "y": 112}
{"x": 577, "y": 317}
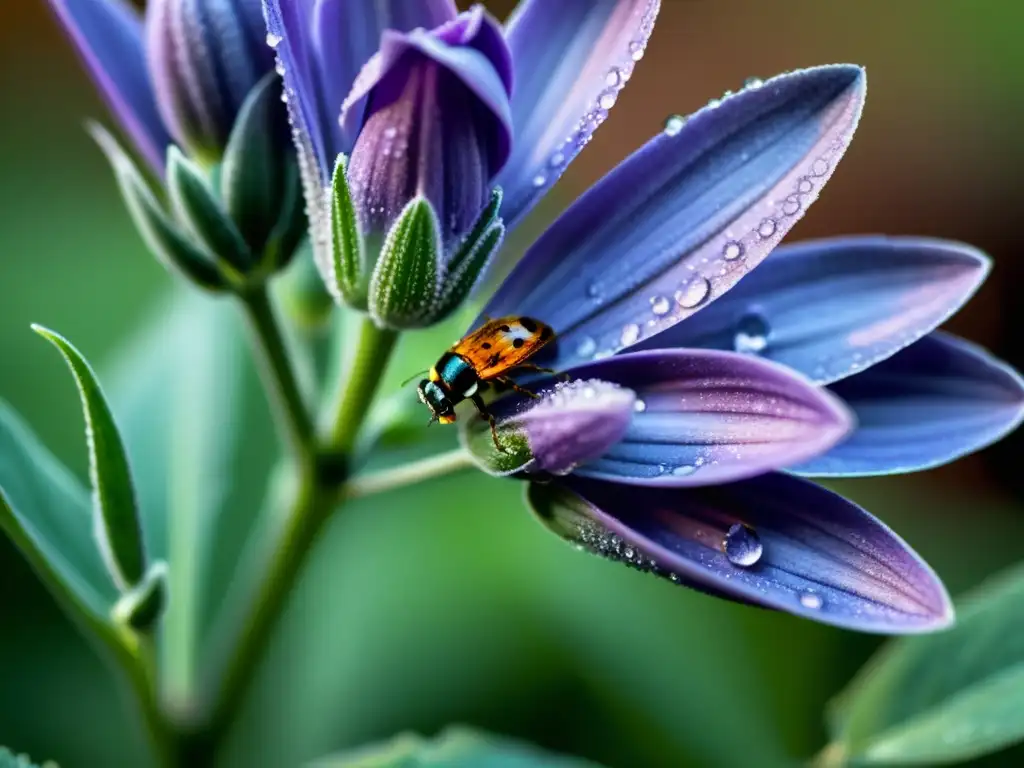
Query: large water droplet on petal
{"x": 732, "y": 251}
{"x": 630, "y": 334}
{"x": 742, "y": 545}
{"x": 660, "y": 305}
{"x": 693, "y": 293}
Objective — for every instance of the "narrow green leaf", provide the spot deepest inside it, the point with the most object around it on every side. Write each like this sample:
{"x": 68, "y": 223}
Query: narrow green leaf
{"x": 116, "y": 516}
{"x": 943, "y": 698}
{"x": 143, "y": 605}
{"x": 160, "y": 233}
{"x": 351, "y": 271}
{"x": 252, "y": 177}
{"x": 202, "y": 214}
{"x": 454, "y": 748}
{"x": 406, "y": 282}
{"x": 45, "y": 511}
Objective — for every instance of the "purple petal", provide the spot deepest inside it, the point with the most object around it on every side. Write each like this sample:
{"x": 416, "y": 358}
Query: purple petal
{"x": 931, "y": 403}
{"x": 572, "y": 57}
{"x": 705, "y": 417}
{"x": 570, "y": 424}
{"x": 793, "y": 546}
{"x": 108, "y": 36}
{"x": 682, "y": 220}
{"x": 829, "y": 308}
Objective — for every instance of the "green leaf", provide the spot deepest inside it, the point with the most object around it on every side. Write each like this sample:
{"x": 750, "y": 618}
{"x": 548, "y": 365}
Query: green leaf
{"x": 351, "y": 270}
{"x": 158, "y": 230}
{"x": 202, "y": 214}
{"x": 185, "y": 393}
{"x": 406, "y": 282}
{"x": 252, "y": 179}
{"x": 143, "y": 605}
{"x": 46, "y": 512}
{"x": 115, "y": 508}
{"x": 454, "y": 748}
{"x": 942, "y": 698}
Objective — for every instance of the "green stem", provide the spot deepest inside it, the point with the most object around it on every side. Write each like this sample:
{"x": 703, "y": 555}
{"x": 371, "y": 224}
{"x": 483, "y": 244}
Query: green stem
{"x": 360, "y": 379}
{"x": 279, "y": 374}
{"x": 407, "y": 474}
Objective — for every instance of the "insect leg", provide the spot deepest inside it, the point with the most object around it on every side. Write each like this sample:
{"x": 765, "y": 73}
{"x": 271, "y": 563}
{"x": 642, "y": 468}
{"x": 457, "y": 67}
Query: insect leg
{"x": 521, "y": 390}
{"x": 480, "y": 406}
{"x": 540, "y": 369}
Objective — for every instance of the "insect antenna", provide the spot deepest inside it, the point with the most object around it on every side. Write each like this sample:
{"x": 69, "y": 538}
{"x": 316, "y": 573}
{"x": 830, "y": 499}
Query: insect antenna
{"x": 415, "y": 375}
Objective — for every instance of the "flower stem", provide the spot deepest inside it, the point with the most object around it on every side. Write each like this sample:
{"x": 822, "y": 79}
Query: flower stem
{"x": 407, "y": 474}
{"x": 292, "y": 413}
{"x": 359, "y": 382}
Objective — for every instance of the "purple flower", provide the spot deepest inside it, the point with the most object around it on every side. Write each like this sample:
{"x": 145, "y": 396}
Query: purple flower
{"x": 182, "y": 77}
{"x": 641, "y": 280}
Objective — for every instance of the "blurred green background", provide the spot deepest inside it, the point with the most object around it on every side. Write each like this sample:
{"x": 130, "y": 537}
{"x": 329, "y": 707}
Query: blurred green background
{"x": 447, "y": 602}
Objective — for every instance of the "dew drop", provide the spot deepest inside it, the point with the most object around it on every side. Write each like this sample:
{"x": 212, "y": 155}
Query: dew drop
{"x": 791, "y": 206}
{"x": 805, "y": 186}
{"x": 607, "y": 100}
{"x": 390, "y": 132}
{"x": 594, "y": 290}
{"x": 279, "y": 67}
{"x": 713, "y": 104}
{"x": 639, "y": 406}
{"x": 766, "y": 228}
{"x": 810, "y": 600}
{"x": 742, "y": 545}
{"x": 614, "y": 77}
{"x": 752, "y": 333}
{"x": 693, "y": 293}
{"x": 753, "y": 82}
{"x": 674, "y": 124}
{"x": 630, "y": 334}
{"x": 684, "y": 470}
{"x": 820, "y": 167}
{"x": 557, "y": 160}
{"x": 660, "y": 305}
{"x": 586, "y": 347}
{"x": 732, "y": 251}
{"x": 636, "y": 50}
{"x": 540, "y": 180}
{"x": 273, "y": 40}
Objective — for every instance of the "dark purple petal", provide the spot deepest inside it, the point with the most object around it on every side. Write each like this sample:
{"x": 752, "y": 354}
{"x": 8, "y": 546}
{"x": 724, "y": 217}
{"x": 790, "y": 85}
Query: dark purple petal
{"x": 683, "y": 219}
{"x": 571, "y": 57}
{"x": 931, "y": 403}
{"x": 204, "y": 58}
{"x": 108, "y": 36}
{"x": 829, "y": 308}
{"x": 775, "y": 541}
{"x": 569, "y": 425}
{"x": 704, "y": 417}
{"x": 436, "y": 124}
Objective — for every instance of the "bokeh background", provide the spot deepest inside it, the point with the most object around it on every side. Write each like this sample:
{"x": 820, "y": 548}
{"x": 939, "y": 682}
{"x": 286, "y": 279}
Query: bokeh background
{"x": 448, "y": 603}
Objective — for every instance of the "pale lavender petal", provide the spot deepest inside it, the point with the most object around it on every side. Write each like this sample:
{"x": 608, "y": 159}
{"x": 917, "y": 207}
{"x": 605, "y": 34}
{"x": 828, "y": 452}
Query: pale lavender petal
{"x": 108, "y": 36}
{"x": 682, "y": 220}
{"x": 830, "y": 308}
{"x": 570, "y": 424}
{"x": 774, "y": 541}
{"x": 571, "y": 58}
{"x": 931, "y": 403}
{"x": 704, "y": 417}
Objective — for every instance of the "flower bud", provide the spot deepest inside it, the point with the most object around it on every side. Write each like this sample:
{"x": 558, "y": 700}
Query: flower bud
{"x": 204, "y": 58}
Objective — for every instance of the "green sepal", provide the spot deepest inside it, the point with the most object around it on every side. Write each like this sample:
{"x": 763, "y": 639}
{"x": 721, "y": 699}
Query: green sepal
{"x": 406, "y": 282}
{"x": 200, "y": 212}
{"x": 464, "y": 273}
{"x": 116, "y": 523}
{"x": 348, "y": 251}
{"x": 512, "y": 454}
{"x": 292, "y": 225}
{"x": 161, "y": 234}
{"x": 143, "y": 605}
{"x": 253, "y": 171}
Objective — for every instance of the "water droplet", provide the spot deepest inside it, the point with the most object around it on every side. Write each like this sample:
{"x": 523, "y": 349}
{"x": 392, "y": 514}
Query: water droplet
{"x": 810, "y": 600}
{"x": 820, "y": 167}
{"x": 766, "y": 228}
{"x": 752, "y": 333}
{"x": 639, "y": 406}
{"x": 693, "y": 293}
{"x": 607, "y": 100}
{"x": 732, "y": 251}
{"x": 540, "y": 180}
{"x": 791, "y": 206}
{"x": 753, "y": 82}
{"x": 674, "y": 124}
{"x": 684, "y": 470}
{"x": 273, "y": 40}
{"x": 630, "y": 334}
{"x": 713, "y": 104}
{"x": 557, "y": 159}
{"x": 660, "y": 305}
{"x": 742, "y": 545}
{"x": 636, "y": 50}
{"x": 279, "y": 67}
{"x": 390, "y": 132}
{"x": 586, "y": 347}
{"x": 614, "y": 77}
{"x": 594, "y": 290}
{"x": 805, "y": 186}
